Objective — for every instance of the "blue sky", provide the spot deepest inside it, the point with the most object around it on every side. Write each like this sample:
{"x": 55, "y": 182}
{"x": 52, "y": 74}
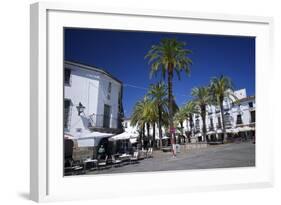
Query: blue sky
{"x": 122, "y": 54}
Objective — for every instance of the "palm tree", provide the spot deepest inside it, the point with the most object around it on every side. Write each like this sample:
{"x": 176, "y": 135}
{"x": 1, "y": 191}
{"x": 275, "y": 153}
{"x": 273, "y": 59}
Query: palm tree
{"x": 222, "y": 88}
{"x": 180, "y": 117}
{"x": 190, "y": 109}
{"x": 202, "y": 98}
{"x": 150, "y": 115}
{"x": 169, "y": 56}
{"x": 158, "y": 95}
{"x": 138, "y": 118}
{"x": 144, "y": 115}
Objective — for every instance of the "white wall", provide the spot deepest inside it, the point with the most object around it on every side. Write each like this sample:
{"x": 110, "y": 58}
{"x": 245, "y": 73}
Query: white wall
{"x": 84, "y": 88}
{"x": 112, "y": 102}
{"x": 91, "y": 89}
{"x": 14, "y": 103}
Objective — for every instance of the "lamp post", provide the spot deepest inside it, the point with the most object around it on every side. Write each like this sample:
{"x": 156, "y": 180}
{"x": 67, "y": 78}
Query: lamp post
{"x": 80, "y": 108}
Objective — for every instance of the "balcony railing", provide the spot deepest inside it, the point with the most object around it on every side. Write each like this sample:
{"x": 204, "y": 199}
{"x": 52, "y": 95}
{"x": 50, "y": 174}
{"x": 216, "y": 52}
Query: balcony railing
{"x": 102, "y": 121}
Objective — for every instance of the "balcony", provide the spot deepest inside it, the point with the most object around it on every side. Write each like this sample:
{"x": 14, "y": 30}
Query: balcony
{"x": 102, "y": 123}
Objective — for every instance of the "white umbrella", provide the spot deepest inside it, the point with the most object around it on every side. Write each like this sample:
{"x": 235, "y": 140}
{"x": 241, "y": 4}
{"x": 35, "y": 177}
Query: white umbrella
{"x": 244, "y": 129}
{"x": 91, "y": 139}
{"x": 219, "y": 131}
{"x": 198, "y": 134}
{"x": 124, "y": 136}
{"x": 211, "y": 132}
{"x": 232, "y": 130}
{"x": 68, "y": 136}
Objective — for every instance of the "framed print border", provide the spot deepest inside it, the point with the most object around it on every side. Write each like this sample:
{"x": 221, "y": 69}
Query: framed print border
{"x": 45, "y": 32}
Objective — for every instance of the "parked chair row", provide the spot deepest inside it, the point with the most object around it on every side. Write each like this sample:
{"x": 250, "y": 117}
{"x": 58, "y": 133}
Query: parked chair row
{"x": 79, "y": 167}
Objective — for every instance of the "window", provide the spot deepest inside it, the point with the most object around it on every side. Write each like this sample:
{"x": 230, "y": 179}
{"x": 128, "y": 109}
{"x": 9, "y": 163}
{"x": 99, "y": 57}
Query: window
{"x": 250, "y": 104}
{"x": 106, "y": 116}
{"x": 211, "y": 124}
{"x": 66, "y": 116}
{"x": 253, "y": 116}
{"x": 239, "y": 119}
{"x": 227, "y": 120}
{"x": 109, "y": 87}
{"x": 67, "y": 73}
{"x": 197, "y": 125}
{"x": 219, "y": 122}
{"x": 108, "y": 90}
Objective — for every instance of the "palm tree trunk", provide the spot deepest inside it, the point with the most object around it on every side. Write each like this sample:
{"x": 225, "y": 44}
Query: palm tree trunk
{"x": 203, "y": 115}
{"x": 191, "y": 124}
{"x": 153, "y": 136}
{"x": 160, "y": 126}
{"x": 147, "y": 137}
{"x": 170, "y": 99}
{"x": 141, "y": 136}
{"x": 224, "y": 138}
{"x": 181, "y": 132}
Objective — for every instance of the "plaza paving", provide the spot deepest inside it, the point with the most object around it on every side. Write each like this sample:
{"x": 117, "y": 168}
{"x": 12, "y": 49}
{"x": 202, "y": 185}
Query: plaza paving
{"x": 213, "y": 156}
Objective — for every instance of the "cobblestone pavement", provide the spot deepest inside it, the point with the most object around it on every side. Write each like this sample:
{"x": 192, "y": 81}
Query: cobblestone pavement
{"x": 213, "y": 156}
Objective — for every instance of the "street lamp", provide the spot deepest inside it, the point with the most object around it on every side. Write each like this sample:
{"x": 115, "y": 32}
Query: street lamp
{"x": 80, "y": 108}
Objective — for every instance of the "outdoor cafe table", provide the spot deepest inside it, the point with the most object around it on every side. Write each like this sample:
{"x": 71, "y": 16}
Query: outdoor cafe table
{"x": 89, "y": 161}
{"x": 125, "y": 157}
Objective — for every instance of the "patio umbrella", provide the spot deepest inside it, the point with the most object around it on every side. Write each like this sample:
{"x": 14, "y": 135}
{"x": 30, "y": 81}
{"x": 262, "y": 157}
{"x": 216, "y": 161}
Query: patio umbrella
{"x": 244, "y": 129}
{"x": 219, "y": 131}
{"x": 68, "y": 136}
{"x": 198, "y": 134}
{"x": 211, "y": 133}
{"x": 123, "y": 136}
{"x": 91, "y": 139}
{"x": 232, "y": 130}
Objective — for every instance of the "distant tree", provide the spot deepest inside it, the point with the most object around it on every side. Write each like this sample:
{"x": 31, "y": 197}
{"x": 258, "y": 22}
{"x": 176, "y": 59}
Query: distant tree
{"x": 190, "y": 109}
{"x": 222, "y": 88}
{"x": 202, "y": 98}
{"x": 158, "y": 95}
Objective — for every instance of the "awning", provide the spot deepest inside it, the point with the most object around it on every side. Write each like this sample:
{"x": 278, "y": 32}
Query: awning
{"x": 92, "y": 139}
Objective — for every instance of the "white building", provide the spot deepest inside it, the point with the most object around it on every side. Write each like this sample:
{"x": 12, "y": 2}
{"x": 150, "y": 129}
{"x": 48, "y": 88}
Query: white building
{"x": 92, "y": 100}
{"x": 128, "y": 127}
{"x": 239, "y": 118}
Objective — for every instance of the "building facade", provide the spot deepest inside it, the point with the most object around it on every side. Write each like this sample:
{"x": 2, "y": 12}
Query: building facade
{"x": 92, "y": 100}
{"x": 239, "y": 116}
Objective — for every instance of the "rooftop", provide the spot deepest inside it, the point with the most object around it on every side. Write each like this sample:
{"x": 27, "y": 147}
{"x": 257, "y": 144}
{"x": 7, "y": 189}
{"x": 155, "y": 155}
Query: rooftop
{"x": 247, "y": 98}
{"x": 92, "y": 68}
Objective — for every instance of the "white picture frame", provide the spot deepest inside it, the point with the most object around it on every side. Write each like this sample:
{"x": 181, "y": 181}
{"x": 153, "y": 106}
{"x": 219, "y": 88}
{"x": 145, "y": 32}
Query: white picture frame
{"x": 46, "y": 173}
